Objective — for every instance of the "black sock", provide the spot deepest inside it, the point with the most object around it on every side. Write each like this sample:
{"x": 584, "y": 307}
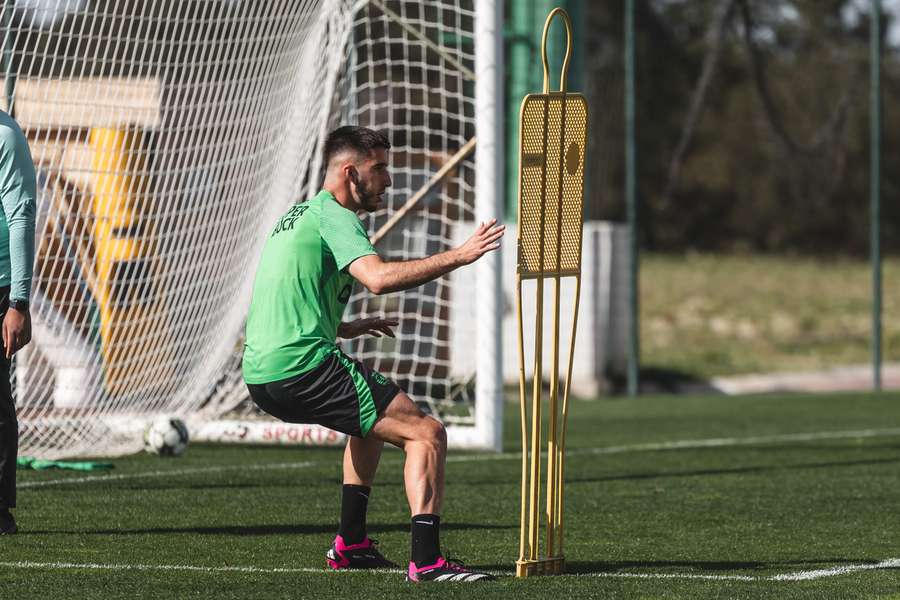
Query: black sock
{"x": 354, "y": 502}
{"x": 426, "y": 540}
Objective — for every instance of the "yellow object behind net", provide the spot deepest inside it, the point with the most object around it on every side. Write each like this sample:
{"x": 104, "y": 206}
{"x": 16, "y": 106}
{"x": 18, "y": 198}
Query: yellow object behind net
{"x": 553, "y": 132}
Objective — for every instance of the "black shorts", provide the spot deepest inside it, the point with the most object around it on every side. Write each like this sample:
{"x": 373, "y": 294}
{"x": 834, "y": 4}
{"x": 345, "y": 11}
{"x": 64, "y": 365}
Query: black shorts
{"x": 341, "y": 393}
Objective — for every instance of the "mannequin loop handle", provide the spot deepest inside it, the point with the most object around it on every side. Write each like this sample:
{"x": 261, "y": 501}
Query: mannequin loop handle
{"x": 565, "y": 66}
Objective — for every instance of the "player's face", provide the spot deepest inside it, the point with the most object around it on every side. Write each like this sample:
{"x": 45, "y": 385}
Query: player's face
{"x": 373, "y": 180}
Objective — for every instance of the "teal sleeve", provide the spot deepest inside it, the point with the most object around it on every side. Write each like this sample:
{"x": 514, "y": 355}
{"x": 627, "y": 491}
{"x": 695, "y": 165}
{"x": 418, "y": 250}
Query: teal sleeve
{"x": 345, "y": 235}
{"x": 18, "y": 190}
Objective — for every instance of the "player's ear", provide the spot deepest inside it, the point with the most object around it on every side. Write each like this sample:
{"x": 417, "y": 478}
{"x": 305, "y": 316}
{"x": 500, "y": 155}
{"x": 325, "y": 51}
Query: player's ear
{"x": 352, "y": 174}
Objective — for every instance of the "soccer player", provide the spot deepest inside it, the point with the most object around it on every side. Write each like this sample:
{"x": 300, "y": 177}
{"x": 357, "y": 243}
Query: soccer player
{"x": 296, "y": 372}
{"x": 18, "y": 188}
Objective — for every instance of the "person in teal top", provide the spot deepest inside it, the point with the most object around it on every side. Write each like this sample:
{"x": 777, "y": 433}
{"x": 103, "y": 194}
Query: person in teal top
{"x": 18, "y": 190}
{"x": 295, "y": 370}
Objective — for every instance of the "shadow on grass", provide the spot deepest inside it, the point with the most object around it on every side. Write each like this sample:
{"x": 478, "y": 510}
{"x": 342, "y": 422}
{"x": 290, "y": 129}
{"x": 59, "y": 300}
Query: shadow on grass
{"x": 241, "y": 530}
{"x": 659, "y": 380}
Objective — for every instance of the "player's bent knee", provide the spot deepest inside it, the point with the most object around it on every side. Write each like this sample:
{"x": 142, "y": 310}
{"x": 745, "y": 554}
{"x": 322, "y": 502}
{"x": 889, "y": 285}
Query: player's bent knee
{"x": 434, "y": 432}
{"x": 430, "y": 430}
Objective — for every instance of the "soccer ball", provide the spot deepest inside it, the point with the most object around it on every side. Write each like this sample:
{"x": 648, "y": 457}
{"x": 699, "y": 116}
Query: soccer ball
{"x": 166, "y": 436}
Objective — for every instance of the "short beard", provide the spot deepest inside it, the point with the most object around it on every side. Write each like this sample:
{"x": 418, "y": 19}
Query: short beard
{"x": 365, "y": 196}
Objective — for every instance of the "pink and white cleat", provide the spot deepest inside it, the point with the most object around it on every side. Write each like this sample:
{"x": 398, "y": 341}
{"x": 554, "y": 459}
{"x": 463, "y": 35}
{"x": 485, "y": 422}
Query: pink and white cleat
{"x": 364, "y": 555}
{"x": 445, "y": 570}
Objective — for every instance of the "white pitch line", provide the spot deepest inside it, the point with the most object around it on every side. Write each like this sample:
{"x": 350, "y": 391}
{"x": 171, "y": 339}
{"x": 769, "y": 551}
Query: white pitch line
{"x": 228, "y": 569}
{"x": 672, "y": 576}
{"x": 745, "y": 441}
{"x": 891, "y": 563}
{"x": 164, "y": 473}
{"x": 698, "y": 444}
{"x": 645, "y": 447}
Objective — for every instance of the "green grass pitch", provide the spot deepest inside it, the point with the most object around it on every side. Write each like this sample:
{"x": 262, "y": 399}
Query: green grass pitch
{"x": 667, "y": 497}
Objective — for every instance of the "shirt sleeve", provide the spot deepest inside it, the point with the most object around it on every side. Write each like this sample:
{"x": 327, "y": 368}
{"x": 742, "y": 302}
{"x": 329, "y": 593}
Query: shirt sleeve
{"x": 345, "y": 235}
{"x": 18, "y": 190}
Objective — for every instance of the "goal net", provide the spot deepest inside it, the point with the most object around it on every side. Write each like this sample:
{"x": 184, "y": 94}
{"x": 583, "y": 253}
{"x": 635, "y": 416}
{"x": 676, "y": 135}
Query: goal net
{"x": 169, "y": 135}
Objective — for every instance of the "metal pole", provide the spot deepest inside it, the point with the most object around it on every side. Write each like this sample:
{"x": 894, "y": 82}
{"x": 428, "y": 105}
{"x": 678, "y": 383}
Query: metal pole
{"x": 521, "y": 57}
{"x": 489, "y": 163}
{"x": 875, "y": 185}
{"x": 576, "y": 10}
{"x": 631, "y": 204}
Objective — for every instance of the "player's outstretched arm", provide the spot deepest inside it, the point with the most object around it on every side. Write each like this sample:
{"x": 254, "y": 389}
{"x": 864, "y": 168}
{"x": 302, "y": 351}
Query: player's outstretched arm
{"x": 382, "y": 277}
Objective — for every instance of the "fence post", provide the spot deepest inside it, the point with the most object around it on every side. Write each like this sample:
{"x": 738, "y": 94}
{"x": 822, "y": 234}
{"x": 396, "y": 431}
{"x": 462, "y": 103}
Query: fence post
{"x": 875, "y": 184}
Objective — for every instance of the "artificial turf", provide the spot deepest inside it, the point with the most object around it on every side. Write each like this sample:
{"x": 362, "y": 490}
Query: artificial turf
{"x": 666, "y": 497}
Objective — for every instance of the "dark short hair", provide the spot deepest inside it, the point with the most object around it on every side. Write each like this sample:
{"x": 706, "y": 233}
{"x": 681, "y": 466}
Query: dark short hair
{"x": 361, "y": 140}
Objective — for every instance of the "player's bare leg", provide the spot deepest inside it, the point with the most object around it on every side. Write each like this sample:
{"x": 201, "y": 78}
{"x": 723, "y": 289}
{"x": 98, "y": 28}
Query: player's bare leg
{"x": 361, "y": 458}
{"x": 352, "y": 548}
{"x": 424, "y": 440}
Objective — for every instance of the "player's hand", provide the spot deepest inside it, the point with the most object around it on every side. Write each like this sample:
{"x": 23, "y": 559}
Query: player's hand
{"x": 374, "y": 326}
{"x": 486, "y": 238}
{"x": 16, "y": 331}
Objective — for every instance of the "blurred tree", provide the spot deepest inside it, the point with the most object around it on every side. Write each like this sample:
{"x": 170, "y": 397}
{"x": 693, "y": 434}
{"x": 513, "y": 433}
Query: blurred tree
{"x": 752, "y": 124}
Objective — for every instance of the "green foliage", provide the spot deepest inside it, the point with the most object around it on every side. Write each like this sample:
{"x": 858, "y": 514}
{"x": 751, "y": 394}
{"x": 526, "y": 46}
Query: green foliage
{"x": 790, "y": 174}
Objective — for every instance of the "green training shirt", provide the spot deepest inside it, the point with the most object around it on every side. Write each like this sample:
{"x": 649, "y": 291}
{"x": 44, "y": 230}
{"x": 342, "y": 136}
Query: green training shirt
{"x": 301, "y": 289}
{"x": 18, "y": 190}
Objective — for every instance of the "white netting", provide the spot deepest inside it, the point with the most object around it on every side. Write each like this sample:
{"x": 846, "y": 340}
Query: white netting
{"x": 411, "y": 72}
{"x": 168, "y": 135}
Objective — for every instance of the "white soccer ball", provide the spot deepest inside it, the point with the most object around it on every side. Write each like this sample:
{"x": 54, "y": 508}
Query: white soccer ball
{"x": 166, "y": 436}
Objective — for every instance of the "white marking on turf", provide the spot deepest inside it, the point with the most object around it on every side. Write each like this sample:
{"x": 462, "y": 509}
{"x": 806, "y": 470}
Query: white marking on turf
{"x": 645, "y": 447}
{"x": 698, "y": 444}
{"x": 672, "y": 576}
{"x": 891, "y": 563}
{"x": 164, "y": 473}
{"x": 27, "y": 564}
{"x": 744, "y": 441}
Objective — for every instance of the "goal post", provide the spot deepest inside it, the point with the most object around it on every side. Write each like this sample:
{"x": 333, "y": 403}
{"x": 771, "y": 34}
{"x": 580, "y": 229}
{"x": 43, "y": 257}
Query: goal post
{"x": 430, "y": 74}
{"x": 169, "y": 135}
{"x": 489, "y": 203}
